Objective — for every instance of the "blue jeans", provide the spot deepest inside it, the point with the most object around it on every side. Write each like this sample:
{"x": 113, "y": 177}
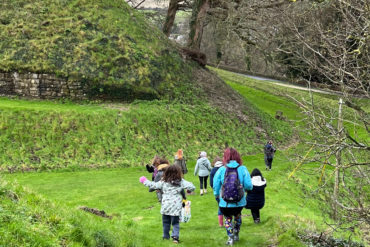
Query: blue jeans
{"x": 169, "y": 220}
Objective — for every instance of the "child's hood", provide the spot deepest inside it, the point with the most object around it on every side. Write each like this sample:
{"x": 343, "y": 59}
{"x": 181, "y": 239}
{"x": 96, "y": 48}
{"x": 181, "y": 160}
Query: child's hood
{"x": 219, "y": 164}
{"x": 203, "y": 160}
{"x": 232, "y": 164}
{"x": 162, "y": 166}
{"x": 257, "y": 181}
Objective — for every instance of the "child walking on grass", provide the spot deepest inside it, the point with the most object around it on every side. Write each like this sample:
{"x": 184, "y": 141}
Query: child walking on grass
{"x": 171, "y": 185}
{"x": 256, "y": 196}
{"x": 217, "y": 163}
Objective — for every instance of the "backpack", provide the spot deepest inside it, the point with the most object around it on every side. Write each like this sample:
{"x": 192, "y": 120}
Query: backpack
{"x": 232, "y": 191}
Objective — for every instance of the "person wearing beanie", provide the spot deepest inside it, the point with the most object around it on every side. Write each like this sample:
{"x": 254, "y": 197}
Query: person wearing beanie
{"x": 203, "y": 169}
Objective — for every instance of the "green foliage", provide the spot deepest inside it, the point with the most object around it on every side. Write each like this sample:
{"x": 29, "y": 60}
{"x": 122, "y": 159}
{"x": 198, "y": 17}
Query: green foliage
{"x": 30, "y": 220}
{"x": 106, "y": 44}
{"x": 46, "y": 135}
{"x": 289, "y": 209}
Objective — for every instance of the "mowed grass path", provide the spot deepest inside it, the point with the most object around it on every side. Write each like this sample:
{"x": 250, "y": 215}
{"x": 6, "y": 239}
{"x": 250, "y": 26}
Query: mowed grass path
{"x": 119, "y": 193}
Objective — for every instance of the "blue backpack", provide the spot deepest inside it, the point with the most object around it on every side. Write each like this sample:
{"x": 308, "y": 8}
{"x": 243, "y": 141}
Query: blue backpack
{"x": 232, "y": 191}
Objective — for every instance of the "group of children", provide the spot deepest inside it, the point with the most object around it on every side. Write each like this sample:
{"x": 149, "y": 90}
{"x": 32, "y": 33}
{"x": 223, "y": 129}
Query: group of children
{"x": 229, "y": 180}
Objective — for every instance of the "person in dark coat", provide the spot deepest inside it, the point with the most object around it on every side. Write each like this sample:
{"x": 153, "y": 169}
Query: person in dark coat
{"x": 256, "y": 196}
{"x": 217, "y": 163}
{"x": 180, "y": 161}
{"x": 269, "y": 151}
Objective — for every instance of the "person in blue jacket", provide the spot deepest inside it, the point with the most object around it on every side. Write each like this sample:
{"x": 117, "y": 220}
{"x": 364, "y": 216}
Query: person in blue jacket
{"x": 232, "y": 210}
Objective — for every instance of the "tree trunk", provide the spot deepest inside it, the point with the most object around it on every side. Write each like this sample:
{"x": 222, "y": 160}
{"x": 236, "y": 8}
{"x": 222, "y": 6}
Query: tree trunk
{"x": 170, "y": 18}
{"x": 197, "y": 20}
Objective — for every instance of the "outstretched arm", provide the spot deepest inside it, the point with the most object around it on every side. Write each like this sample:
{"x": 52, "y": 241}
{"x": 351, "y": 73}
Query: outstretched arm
{"x": 150, "y": 184}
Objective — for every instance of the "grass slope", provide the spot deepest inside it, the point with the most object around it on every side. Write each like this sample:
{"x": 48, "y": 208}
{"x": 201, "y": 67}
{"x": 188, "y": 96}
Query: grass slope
{"x": 27, "y": 219}
{"x": 40, "y": 135}
{"x": 106, "y": 44}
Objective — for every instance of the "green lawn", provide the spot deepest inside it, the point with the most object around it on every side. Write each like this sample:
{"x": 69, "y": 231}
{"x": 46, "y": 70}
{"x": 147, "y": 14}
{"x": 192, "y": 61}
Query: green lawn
{"x": 118, "y": 192}
{"x": 291, "y": 206}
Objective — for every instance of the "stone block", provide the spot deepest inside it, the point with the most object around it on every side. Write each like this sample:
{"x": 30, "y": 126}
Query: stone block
{"x": 35, "y": 81}
{"x": 16, "y": 75}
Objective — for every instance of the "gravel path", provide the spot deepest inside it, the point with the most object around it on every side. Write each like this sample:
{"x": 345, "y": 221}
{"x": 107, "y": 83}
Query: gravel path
{"x": 286, "y": 84}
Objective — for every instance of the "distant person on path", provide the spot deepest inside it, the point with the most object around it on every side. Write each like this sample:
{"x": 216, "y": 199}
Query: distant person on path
{"x": 217, "y": 163}
{"x": 256, "y": 196}
{"x": 171, "y": 185}
{"x": 229, "y": 184}
{"x": 269, "y": 151}
{"x": 180, "y": 161}
{"x": 203, "y": 169}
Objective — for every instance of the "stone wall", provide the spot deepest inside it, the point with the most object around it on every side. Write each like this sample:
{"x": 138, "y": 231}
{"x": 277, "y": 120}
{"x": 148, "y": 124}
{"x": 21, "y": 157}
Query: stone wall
{"x": 42, "y": 86}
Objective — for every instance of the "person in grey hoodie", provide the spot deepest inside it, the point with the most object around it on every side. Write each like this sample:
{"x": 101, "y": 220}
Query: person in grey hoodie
{"x": 203, "y": 169}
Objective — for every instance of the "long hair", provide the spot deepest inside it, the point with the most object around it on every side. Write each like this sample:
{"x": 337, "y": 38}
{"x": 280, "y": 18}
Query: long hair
{"x": 231, "y": 154}
{"x": 172, "y": 174}
{"x": 156, "y": 161}
{"x": 257, "y": 172}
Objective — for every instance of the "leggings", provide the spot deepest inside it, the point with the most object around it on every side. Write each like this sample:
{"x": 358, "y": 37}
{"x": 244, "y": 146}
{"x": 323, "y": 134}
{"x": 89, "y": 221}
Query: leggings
{"x": 229, "y": 213}
{"x": 255, "y": 213}
{"x": 203, "y": 180}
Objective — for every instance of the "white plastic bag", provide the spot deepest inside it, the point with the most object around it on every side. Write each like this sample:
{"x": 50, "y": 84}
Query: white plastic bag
{"x": 185, "y": 212}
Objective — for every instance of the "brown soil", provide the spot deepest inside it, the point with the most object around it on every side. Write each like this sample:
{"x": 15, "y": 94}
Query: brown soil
{"x": 95, "y": 211}
{"x": 221, "y": 95}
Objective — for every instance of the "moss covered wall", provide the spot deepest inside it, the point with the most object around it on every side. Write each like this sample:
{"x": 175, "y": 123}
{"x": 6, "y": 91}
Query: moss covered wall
{"x": 40, "y": 86}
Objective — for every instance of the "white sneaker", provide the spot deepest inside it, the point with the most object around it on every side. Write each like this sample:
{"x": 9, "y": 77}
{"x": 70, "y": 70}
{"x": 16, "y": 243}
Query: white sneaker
{"x": 230, "y": 241}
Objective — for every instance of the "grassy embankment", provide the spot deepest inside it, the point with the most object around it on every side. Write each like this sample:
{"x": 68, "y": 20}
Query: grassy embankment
{"x": 290, "y": 209}
{"x": 105, "y": 44}
{"x": 39, "y": 135}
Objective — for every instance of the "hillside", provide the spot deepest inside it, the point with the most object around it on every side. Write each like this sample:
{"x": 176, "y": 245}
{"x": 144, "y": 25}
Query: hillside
{"x": 40, "y": 135}
{"x": 105, "y": 44}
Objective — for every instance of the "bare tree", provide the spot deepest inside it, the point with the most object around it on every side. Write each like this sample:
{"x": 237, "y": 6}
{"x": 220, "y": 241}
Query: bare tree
{"x": 328, "y": 43}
